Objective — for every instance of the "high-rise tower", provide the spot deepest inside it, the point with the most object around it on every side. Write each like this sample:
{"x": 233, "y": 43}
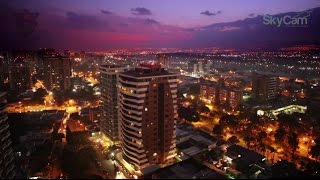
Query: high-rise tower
{"x": 7, "y": 169}
{"x": 109, "y": 96}
{"x": 148, "y": 111}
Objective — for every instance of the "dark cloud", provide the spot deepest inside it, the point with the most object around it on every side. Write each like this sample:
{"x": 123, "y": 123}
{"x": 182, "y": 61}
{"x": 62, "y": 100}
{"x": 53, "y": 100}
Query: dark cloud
{"x": 124, "y": 24}
{"x": 208, "y": 13}
{"x": 75, "y": 16}
{"x": 150, "y": 21}
{"x": 85, "y": 21}
{"x": 251, "y": 14}
{"x": 26, "y": 21}
{"x": 18, "y": 26}
{"x": 140, "y": 11}
{"x": 80, "y": 20}
{"x": 106, "y": 12}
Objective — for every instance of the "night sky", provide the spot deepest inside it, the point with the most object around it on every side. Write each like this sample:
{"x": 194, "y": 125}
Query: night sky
{"x": 102, "y": 24}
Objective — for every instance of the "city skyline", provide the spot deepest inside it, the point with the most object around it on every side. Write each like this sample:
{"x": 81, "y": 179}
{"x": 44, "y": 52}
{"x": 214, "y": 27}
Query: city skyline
{"x": 81, "y": 114}
{"x": 140, "y": 89}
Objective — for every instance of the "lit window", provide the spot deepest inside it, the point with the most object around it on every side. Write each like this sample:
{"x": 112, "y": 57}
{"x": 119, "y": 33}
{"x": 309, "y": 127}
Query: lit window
{"x": 145, "y": 109}
{"x": 154, "y": 154}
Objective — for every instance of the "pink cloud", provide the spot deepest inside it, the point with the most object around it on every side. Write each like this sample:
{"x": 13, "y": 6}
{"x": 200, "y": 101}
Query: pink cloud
{"x": 103, "y": 29}
{"x": 229, "y": 28}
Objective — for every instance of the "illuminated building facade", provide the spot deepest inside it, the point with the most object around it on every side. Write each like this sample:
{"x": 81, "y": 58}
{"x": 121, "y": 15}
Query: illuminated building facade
{"x": 109, "y": 94}
{"x": 164, "y": 60}
{"x": 210, "y": 92}
{"x": 3, "y": 69}
{"x": 234, "y": 98}
{"x": 290, "y": 109}
{"x": 264, "y": 87}
{"x": 57, "y": 72}
{"x": 7, "y": 168}
{"x": 20, "y": 76}
{"x": 220, "y": 94}
{"x": 148, "y": 112}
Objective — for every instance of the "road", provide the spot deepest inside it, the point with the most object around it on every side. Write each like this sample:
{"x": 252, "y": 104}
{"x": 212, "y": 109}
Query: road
{"x": 105, "y": 157}
{"x": 54, "y": 169}
{"x": 106, "y": 164}
{"x": 63, "y": 126}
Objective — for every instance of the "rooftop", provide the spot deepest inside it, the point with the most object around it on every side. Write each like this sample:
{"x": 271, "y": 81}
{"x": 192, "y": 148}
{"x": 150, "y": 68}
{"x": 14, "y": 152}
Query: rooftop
{"x": 147, "y": 72}
{"x": 2, "y": 94}
{"x": 56, "y": 56}
{"x": 111, "y": 66}
{"x": 186, "y": 170}
{"x": 241, "y": 154}
{"x": 150, "y": 64}
{"x": 191, "y": 151}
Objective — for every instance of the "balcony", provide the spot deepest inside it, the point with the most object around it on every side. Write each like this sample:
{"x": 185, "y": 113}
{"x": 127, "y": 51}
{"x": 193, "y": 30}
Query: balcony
{"x": 134, "y": 83}
{"x": 3, "y": 118}
{"x": 137, "y": 119}
{"x": 6, "y": 127}
{"x": 132, "y": 105}
{"x": 133, "y": 94}
{"x": 5, "y": 136}
{"x": 1, "y": 130}
{"x": 6, "y": 154}
{"x": 6, "y": 145}
{"x": 9, "y": 161}
{"x": 138, "y": 113}
{"x": 10, "y": 169}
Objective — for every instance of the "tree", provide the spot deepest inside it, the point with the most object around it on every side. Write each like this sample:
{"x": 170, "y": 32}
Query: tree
{"x": 315, "y": 150}
{"x": 261, "y": 136}
{"x": 88, "y": 152}
{"x": 293, "y": 142}
{"x": 59, "y": 136}
{"x": 188, "y": 114}
{"x": 273, "y": 151}
{"x": 217, "y": 129}
{"x": 254, "y": 116}
{"x": 229, "y": 120}
{"x": 68, "y": 134}
{"x": 248, "y": 139}
{"x": 39, "y": 95}
{"x": 204, "y": 109}
{"x": 59, "y": 97}
{"x": 313, "y": 168}
{"x": 233, "y": 140}
{"x": 194, "y": 89}
{"x": 77, "y": 163}
{"x": 194, "y": 116}
{"x": 280, "y": 134}
{"x": 290, "y": 120}
{"x": 262, "y": 147}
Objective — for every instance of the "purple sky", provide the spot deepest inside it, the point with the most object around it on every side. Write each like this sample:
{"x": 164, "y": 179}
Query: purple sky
{"x": 133, "y": 23}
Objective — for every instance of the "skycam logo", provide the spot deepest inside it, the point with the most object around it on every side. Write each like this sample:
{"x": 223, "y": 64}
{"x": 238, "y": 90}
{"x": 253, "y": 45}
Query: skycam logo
{"x": 298, "y": 20}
